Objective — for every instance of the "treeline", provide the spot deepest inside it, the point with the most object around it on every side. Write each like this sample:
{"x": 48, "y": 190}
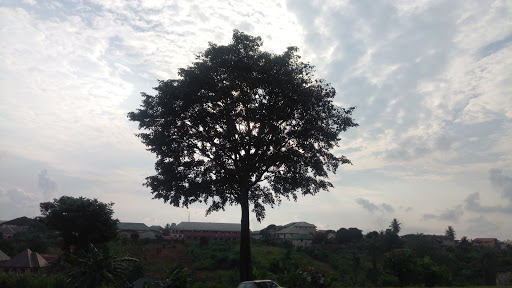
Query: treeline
{"x": 386, "y": 259}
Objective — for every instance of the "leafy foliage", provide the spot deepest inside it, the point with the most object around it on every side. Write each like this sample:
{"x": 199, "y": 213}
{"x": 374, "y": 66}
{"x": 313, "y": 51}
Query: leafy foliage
{"x": 81, "y": 221}
{"x": 96, "y": 268}
{"x": 349, "y": 235}
{"x": 28, "y": 280}
{"x": 237, "y": 117}
{"x": 35, "y": 237}
{"x": 450, "y": 232}
{"x": 215, "y": 255}
{"x": 242, "y": 126}
{"x": 395, "y": 226}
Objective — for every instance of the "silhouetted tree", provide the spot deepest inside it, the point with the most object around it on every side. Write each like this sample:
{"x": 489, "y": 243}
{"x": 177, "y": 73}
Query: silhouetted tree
{"x": 450, "y": 232}
{"x": 167, "y": 230}
{"x": 266, "y": 233}
{"x": 349, "y": 235}
{"x": 81, "y": 221}
{"x": 401, "y": 264}
{"x": 395, "y": 226}
{"x": 240, "y": 127}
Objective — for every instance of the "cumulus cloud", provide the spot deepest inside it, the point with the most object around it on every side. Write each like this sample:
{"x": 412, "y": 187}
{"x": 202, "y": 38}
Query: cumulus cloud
{"x": 371, "y": 207}
{"x": 472, "y": 203}
{"x": 46, "y": 184}
{"x": 483, "y": 227}
{"x": 502, "y": 182}
{"x": 431, "y": 80}
{"x": 16, "y": 202}
{"x": 388, "y": 208}
{"x": 450, "y": 215}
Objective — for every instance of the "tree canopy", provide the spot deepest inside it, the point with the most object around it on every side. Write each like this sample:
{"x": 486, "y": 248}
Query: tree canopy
{"x": 81, "y": 221}
{"x": 450, "y": 232}
{"x": 395, "y": 226}
{"x": 242, "y": 127}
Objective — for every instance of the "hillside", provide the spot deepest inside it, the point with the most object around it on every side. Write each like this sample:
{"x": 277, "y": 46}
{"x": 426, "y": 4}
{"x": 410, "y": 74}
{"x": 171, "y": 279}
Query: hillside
{"x": 218, "y": 261}
{"x": 21, "y": 221}
{"x": 159, "y": 258}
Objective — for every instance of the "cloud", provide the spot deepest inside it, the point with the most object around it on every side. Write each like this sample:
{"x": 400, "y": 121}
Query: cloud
{"x": 472, "y": 203}
{"x": 388, "y": 208}
{"x": 450, "y": 215}
{"x": 495, "y": 46}
{"x": 502, "y": 182}
{"x": 16, "y": 202}
{"x": 431, "y": 80}
{"x": 371, "y": 207}
{"x": 483, "y": 227}
{"x": 367, "y": 205}
{"x": 47, "y": 185}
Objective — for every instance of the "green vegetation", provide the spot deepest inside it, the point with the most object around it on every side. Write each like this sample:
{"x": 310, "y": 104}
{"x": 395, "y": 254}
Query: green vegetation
{"x": 241, "y": 126}
{"x": 346, "y": 257}
{"x": 33, "y": 281}
{"x": 81, "y": 221}
{"x": 37, "y": 237}
{"x": 97, "y": 268}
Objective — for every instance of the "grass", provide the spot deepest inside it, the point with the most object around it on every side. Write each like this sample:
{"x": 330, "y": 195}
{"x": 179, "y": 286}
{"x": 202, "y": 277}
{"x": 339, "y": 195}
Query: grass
{"x": 27, "y": 280}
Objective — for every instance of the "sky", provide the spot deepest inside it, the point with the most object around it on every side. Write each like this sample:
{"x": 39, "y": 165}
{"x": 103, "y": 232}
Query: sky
{"x": 431, "y": 80}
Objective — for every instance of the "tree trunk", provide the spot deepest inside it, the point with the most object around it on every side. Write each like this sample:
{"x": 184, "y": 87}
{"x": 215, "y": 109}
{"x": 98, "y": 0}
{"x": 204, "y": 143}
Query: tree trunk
{"x": 245, "y": 242}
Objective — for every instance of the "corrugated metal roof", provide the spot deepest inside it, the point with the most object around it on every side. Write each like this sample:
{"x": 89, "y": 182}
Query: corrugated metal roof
{"x": 484, "y": 239}
{"x": 291, "y": 230}
{"x": 208, "y": 226}
{"x": 132, "y": 226}
{"x": 26, "y": 259}
{"x": 156, "y": 228}
{"x": 3, "y": 256}
{"x": 300, "y": 224}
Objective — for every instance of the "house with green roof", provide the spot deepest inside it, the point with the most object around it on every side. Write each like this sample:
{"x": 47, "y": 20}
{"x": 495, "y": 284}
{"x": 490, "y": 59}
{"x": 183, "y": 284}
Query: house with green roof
{"x": 300, "y": 234}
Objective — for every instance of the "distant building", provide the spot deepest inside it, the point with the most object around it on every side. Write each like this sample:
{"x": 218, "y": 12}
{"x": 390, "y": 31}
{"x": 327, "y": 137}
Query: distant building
{"x": 505, "y": 244}
{"x": 11, "y": 227}
{"x": 8, "y": 231}
{"x": 300, "y": 234}
{"x": 214, "y": 231}
{"x": 491, "y": 242}
{"x": 3, "y": 257}
{"x": 157, "y": 228}
{"x": 25, "y": 262}
{"x": 139, "y": 230}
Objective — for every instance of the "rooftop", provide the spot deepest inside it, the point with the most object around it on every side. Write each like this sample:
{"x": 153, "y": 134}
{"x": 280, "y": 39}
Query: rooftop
{"x": 26, "y": 259}
{"x": 208, "y": 226}
{"x": 132, "y": 226}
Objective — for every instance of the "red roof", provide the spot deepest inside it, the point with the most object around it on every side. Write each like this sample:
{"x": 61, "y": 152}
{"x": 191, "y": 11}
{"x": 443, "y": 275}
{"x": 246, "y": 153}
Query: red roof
{"x": 485, "y": 240}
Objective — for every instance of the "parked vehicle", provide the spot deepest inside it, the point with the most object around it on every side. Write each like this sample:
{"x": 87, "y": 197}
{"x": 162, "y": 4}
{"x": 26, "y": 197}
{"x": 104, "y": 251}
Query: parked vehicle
{"x": 258, "y": 284}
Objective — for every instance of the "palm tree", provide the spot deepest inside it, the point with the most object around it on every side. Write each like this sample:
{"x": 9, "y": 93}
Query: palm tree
{"x": 450, "y": 232}
{"x": 395, "y": 226}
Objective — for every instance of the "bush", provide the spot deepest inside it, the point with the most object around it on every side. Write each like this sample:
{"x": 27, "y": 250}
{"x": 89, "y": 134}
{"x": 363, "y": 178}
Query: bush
{"x": 15, "y": 280}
